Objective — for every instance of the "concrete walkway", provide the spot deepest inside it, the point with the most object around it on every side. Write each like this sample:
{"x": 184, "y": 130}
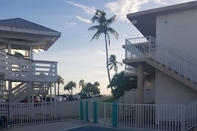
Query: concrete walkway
{"x": 55, "y": 126}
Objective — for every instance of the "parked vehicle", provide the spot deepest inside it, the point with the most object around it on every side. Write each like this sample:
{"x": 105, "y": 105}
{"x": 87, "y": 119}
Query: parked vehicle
{"x": 78, "y": 97}
{"x": 58, "y": 98}
{"x": 84, "y": 96}
{"x": 70, "y": 97}
{"x": 89, "y": 95}
{"x": 64, "y": 98}
{"x": 36, "y": 99}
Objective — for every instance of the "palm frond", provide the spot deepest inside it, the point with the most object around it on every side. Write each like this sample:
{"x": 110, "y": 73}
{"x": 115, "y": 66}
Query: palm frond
{"x": 100, "y": 17}
{"x": 111, "y": 67}
{"x": 95, "y": 18}
{"x": 110, "y": 63}
{"x": 112, "y": 31}
{"x": 111, "y": 20}
{"x": 96, "y": 27}
{"x": 96, "y": 36}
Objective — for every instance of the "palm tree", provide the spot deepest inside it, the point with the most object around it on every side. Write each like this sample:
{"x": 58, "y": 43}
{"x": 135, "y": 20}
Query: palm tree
{"x": 67, "y": 87}
{"x": 113, "y": 63}
{"x": 121, "y": 84}
{"x": 70, "y": 85}
{"x": 103, "y": 28}
{"x": 82, "y": 84}
{"x": 89, "y": 87}
{"x": 96, "y": 84}
{"x": 60, "y": 80}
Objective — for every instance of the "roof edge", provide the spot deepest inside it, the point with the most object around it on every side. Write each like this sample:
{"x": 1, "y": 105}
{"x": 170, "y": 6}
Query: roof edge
{"x": 166, "y": 9}
{"x": 2, "y": 28}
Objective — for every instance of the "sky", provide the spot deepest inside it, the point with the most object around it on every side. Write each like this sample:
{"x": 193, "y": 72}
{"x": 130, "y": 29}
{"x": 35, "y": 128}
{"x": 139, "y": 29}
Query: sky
{"x": 77, "y": 57}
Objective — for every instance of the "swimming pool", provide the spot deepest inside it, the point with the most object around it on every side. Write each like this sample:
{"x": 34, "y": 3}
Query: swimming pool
{"x": 94, "y": 128}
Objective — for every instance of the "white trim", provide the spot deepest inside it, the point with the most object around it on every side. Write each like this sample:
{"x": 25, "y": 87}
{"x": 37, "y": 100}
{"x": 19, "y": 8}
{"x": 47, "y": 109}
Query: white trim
{"x": 30, "y": 31}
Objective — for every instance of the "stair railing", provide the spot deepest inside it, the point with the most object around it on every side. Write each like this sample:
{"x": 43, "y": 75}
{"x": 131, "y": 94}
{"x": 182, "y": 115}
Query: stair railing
{"x": 191, "y": 115}
{"x": 150, "y": 47}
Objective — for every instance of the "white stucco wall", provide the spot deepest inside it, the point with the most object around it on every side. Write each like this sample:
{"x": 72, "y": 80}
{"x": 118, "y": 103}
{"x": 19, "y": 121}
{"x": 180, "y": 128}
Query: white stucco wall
{"x": 171, "y": 91}
{"x": 179, "y": 30}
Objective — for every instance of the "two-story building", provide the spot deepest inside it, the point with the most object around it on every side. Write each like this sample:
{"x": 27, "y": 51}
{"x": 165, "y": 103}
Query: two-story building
{"x": 165, "y": 59}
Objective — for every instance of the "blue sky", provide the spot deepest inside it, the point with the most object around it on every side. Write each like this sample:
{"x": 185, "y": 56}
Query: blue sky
{"x": 78, "y": 58}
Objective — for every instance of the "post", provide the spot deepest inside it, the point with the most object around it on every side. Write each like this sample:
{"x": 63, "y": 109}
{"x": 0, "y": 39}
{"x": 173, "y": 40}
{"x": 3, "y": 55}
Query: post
{"x": 140, "y": 87}
{"x": 149, "y": 46}
{"x": 95, "y": 119}
{"x": 87, "y": 119}
{"x": 114, "y": 115}
{"x": 81, "y": 110}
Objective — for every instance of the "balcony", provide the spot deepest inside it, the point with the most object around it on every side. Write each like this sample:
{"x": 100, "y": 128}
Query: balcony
{"x": 20, "y": 69}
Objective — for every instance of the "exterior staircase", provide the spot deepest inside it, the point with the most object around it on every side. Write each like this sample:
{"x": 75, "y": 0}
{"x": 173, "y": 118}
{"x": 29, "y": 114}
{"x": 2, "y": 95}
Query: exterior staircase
{"x": 21, "y": 91}
{"x": 24, "y": 89}
{"x": 33, "y": 76}
{"x": 170, "y": 61}
{"x": 174, "y": 63}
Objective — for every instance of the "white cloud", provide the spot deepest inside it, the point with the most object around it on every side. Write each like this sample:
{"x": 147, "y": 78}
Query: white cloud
{"x": 72, "y": 24}
{"x": 123, "y": 7}
{"x": 83, "y": 19}
{"x": 87, "y": 10}
{"x": 100, "y": 52}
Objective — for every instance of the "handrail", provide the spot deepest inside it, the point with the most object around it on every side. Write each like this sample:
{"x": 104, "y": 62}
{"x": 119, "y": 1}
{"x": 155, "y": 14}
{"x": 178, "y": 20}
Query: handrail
{"x": 190, "y": 115}
{"x": 159, "y": 51}
{"x": 19, "y": 69}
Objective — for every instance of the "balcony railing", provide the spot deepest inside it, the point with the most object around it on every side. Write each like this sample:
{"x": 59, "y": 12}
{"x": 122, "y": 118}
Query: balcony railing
{"x": 21, "y": 69}
{"x": 149, "y": 47}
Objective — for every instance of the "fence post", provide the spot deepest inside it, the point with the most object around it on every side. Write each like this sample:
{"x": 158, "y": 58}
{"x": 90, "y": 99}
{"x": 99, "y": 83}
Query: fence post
{"x": 95, "y": 118}
{"x": 81, "y": 110}
{"x": 114, "y": 114}
{"x": 87, "y": 113}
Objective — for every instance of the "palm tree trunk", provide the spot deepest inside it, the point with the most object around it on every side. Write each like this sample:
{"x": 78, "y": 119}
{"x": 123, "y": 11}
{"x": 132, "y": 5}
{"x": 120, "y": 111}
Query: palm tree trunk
{"x": 58, "y": 88}
{"x": 69, "y": 91}
{"x": 107, "y": 61}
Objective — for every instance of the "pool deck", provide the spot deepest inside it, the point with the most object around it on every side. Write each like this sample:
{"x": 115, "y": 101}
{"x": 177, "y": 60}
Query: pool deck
{"x": 55, "y": 126}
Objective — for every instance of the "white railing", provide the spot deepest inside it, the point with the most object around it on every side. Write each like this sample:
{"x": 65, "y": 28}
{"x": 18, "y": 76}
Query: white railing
{"x": 104, "y": 113}
{"x": 131, "y": 97}
{"x": 21, "y": 69}
{"x": 29, "y": 113}
{"x": 21, "y": 91}
{"x": 191, "y": 115}
{"x": 41, "y": 88}
{"x": 153, "y": 117}
{"x": 169, "y": 56}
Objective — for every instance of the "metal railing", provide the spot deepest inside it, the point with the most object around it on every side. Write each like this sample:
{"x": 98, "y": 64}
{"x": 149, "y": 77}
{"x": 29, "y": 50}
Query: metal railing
{"x": 131, "y": 97}
{"x": 153, "y": 117}
{"x": 104, "y": 113}
{"x": 144, "y": 47}
{"x": 191, "y": 115}
{"x": 29, "y": 113}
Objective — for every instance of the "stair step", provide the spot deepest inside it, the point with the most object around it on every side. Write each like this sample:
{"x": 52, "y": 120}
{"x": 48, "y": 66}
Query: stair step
{"x": 174, "y": 74}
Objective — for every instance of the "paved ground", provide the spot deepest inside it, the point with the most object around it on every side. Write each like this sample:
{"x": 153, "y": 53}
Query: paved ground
{"x": 56, "y": 126}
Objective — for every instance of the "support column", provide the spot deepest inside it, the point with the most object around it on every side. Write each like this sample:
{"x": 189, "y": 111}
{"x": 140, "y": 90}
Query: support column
{"x": 30, "y": 54}
{"x": 140, "y": 86}
{"x": 9, "y": 48}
